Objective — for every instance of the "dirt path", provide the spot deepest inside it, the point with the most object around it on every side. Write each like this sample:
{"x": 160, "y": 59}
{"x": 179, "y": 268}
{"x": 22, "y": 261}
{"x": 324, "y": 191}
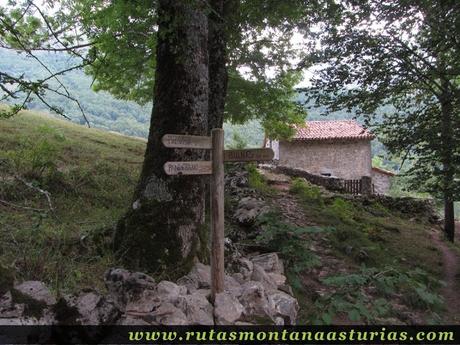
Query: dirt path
{"x": 451, "y": 265}
{"x": 293, "y": 212}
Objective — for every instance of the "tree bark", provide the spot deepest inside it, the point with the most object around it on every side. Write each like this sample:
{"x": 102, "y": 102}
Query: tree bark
{"x": 448, "y": 167}
{"x": 218, "y": 74}
{"x": 449, "y": 219}
{"x": 164, "y": 229}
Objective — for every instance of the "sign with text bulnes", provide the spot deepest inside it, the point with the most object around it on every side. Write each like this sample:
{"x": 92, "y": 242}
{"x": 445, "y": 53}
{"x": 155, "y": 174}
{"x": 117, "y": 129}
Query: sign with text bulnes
{"x": 248, "y": 155}
{"x": 186, "y": 141}
{"x": 215, "y": 168}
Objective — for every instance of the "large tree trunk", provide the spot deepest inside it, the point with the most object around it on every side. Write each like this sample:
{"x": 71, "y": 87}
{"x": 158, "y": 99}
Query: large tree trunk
{"x": 449, "y": 219}
{"x": 218, "y": 74}
{"x": 164, "y": 229}
{"x": 448, "y": 167}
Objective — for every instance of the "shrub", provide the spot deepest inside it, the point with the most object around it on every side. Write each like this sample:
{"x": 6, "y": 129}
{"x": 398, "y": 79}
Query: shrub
{"x": 306, "y": 191}
{"x": 36, "y": 158}
{"x": 351, "y": 293}
{"x": 342, "y": 209}
{"x": 289, "y": 240}
{"x": 257, "y": 181}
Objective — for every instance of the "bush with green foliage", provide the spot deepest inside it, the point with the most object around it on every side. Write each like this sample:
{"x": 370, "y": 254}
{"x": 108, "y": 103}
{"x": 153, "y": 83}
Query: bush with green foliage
{"x": 257, "y": 181}
{"x": 306, "y": 191}
{"x": 362, "y": 296}
{"x": 37, "y": 157}
{"x": 291, "y": 242}
{"x": 342, "y": 209}
{"x": 238, "y": 142}
{"x": 288, "y": 240}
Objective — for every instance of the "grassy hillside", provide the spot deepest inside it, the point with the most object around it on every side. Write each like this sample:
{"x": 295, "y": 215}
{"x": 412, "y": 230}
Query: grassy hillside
{"x": 89, "y": 174}
{"x": 356, "y": 260}
{"x": 347, "y": 260}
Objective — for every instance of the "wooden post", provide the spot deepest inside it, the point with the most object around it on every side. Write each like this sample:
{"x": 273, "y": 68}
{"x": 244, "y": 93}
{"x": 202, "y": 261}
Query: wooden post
{"x": 216, "y": 169}
{"x": 217, "y": 212}
{"x": 366, "y": 185}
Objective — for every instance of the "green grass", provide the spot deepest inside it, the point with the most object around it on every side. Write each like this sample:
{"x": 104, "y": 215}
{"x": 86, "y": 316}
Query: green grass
{"x": 90, "y": 175}
{"x": 257, "y": 181}
{"x": 369, "y": 238}
{"x": 385, "y": 235}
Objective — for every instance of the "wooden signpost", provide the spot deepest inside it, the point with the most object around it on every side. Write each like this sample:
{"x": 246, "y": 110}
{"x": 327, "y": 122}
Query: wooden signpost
{"x": 215, "y": 168}
{"x": 188, "y": 168}
{"x": 186, "y": 141}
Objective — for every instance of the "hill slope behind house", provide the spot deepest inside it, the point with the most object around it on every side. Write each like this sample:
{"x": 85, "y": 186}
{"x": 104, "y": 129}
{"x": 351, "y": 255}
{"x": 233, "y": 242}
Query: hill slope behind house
{"x": 348, "y": 260}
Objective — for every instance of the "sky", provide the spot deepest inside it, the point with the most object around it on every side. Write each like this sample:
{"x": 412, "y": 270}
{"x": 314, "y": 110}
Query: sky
{"x": 296, "y": 41}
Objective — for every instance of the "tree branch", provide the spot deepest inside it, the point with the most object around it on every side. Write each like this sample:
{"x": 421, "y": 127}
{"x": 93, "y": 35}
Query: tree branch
{"x": 42, "y": 191}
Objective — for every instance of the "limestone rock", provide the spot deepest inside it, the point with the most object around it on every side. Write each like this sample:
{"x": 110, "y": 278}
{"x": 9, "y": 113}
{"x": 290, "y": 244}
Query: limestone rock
{"x": 285, "y": 306}
{"x": 232, "y": 286}
{"x": 260, "y": 275}
{"x": 35, "y": 291}
{"x": 129, "y": 320}
{"x": 278, "y": 279}
{"x": 255, "y": 301}
{"x": 252, "y": 296}
{"x": 169, "y": 291}
{"x": 238, "y": 277}
{"x": 198, "y": 278}
{"x": 124, "y": 285}
{"x": 197, "y": 308}
{"x": 270, "y": 262}
{"x": 168, "y": 314}
{"x": 88, "y": 308}
{"x": 143, "y": 303}
{"x": 245, "y": 267}
{"x": 287, "y": 289}
{"x": 227, "y": 309}
{"x": 18, "y": 321}
{"x": 249, "y": 209}
{"x": 236, "y": 179}
{"x": 8, "y": 309}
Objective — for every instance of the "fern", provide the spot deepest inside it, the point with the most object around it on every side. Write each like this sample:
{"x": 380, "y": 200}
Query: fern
{"x": 290, "y": 241}
{"x": 351, "y": 295}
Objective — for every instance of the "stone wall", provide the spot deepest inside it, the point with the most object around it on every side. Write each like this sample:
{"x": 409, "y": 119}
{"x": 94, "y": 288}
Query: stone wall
{"x": 330, "y": 183}
{"x": 343, "y": 159}
{"x": 382, "y": 182}
{"x": 255, "y": 292}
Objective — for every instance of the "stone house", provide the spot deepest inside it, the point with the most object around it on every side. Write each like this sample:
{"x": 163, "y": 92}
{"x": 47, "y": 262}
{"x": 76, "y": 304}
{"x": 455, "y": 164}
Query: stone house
{"x": 381, "y": 179}
{"x": 338, "y": 148}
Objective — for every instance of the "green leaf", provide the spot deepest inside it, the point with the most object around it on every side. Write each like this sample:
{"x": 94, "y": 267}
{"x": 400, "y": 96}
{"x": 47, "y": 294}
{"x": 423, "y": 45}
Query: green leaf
{"x": 327, "y": 318}
{"x": 354, "y": 315}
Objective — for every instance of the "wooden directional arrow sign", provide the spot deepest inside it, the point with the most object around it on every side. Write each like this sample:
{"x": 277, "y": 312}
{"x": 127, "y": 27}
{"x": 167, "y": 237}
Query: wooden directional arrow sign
{"x": 215, "y": 168}
{"x": 188, "y": 168}
{"x": 248, "y": 155}
{"x": 186, "y": 141}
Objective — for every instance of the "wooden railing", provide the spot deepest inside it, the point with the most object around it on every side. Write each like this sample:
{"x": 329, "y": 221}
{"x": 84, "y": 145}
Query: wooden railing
{"x": 352, "y": 186}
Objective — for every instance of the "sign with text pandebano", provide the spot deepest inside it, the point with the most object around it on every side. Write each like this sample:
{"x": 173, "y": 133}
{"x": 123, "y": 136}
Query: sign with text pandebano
{"x": 214, "y": 168}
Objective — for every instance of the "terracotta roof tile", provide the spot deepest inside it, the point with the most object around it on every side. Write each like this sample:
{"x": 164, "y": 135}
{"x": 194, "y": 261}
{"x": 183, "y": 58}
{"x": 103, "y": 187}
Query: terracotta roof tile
{"x": 383, "y": 171}
{"x": 332, "y": 130}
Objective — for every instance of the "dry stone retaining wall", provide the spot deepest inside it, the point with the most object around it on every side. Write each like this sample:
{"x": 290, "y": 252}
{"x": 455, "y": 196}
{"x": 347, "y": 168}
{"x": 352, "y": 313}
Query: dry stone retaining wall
{"x": 255, "y": 291}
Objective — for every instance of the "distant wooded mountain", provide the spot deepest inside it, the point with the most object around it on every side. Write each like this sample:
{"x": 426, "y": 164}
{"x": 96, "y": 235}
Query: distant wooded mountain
{"x": 106, "y": 112}
{"x": 102, "y": 109}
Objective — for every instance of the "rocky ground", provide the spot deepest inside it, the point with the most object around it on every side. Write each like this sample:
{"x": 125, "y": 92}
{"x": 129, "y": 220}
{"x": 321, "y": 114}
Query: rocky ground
{"x": 255, "y": 292}
{"x": 256, "y": 287}
{"x": 292, "y": 212}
